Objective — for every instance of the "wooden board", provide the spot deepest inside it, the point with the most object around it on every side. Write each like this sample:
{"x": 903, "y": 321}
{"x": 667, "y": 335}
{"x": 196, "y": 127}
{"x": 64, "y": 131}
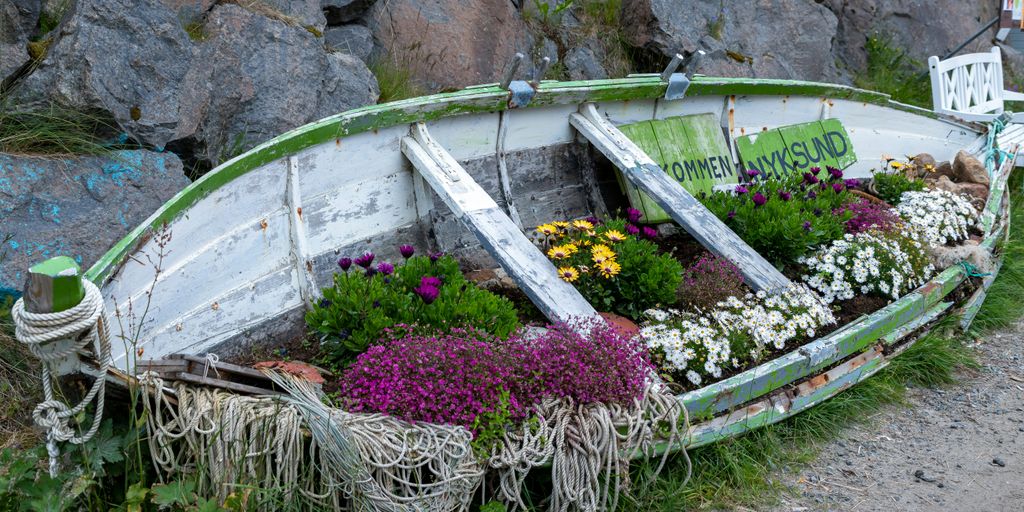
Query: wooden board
{"x": 689, "y": 213}
{"x": 691, "y": 149}
{"x": 797, "y": 148}
{"x": 521, "y": 259}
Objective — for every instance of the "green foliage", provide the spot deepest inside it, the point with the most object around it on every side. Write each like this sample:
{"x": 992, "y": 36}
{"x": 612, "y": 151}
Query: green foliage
{"x": 196, "y": 29}
{"x": 491, "y": 426}
{"x": 889, "y": 186}
{"x": 613, "y": 270}
{"x": 395, "y": 80}
{"x": 891, "y": 71}
{"x": 784, "y": 230}
{"x": 52, "y": 130}
{"x": 493, "y": 506}
{"x": 358, "y": 308}
{"x": 600, "y": 21}
{"x": 545, "y": 11}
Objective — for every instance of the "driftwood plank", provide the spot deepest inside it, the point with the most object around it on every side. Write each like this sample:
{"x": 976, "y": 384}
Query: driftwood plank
{"x": 498, "y": 234}
{"x": 689, "y": 213}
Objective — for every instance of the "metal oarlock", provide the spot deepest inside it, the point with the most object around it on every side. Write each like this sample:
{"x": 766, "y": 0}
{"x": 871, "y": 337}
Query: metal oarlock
{"x": 678, "y": 83}
{"x": 521, "y": 92}
{"x": 510, "y": 70}
{"x": 538, "y": 74}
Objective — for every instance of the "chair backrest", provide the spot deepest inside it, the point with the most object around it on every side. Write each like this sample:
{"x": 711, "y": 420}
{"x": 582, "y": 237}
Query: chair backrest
{"x": 968, "y": 84}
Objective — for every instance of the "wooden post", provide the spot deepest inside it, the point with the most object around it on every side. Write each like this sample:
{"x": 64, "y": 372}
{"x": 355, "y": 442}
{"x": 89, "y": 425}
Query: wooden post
{"x": 54, "y": 285}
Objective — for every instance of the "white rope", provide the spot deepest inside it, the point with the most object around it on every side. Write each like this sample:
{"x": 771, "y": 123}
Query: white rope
{"x": 42, "y": 334}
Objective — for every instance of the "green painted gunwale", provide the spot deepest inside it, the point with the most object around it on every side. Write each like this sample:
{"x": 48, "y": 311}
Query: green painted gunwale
{"x": 479, "y": 99}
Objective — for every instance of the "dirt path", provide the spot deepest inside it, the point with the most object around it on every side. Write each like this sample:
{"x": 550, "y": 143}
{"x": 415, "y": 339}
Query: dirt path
{"x": 960, "y": 448}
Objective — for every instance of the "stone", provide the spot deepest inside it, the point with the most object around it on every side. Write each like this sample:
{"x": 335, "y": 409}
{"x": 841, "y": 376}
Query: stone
{"x": 77, "y": 207}
{"x": 922, "y": 27}
{"x": 355, "y": 40}
{"x": 999, "y": 462}
{"x": 130, "y": 58}
{"x": 974, "y": 190}
{"x": 924, "y": 164}
{"x": 479, "y": 38}
{"x": 344, "y": 11}
{"x": 189, "y": 10}
{"x": 270, "y": 77}
{"x": 304, "y": 13}
{"x": 772, "y": 39}
{"x": 584, "y": 64}
{"x": 922, "y": 476}
{"x": 943, "y": 169}
{"x": 967, "y": 169}
{"x": 17, "y": 22}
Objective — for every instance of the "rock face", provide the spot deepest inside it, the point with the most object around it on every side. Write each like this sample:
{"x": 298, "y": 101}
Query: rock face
{"x": 268, "y": 78}
{"x": 355, "y": 40}
{"x": 77, "y": 207}
{"x": 344, "y": 11}
{"x": 17, "y": 21}
{"x": 583, "y": 63}
{"x": 922, "y": 27}
{"x": 765, "y": 39}
{"x": 967, "y": 169}
{"x": 130, "y": 58}
{"x": 471, "y": 41}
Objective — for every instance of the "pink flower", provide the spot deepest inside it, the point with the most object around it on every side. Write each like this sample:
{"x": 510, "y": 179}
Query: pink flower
{"x": 759, "y": 199}
{"x": 365, "y": 260}
{"x": 634, "y": 215}
{"x": 428, "y": 293}
{"x": 631, "y": 229}
{"x": 740, "y": 190}
{"x": 650, "y": 232}
{"x": 345, "y": 263}
{"x": 407, "y": 251}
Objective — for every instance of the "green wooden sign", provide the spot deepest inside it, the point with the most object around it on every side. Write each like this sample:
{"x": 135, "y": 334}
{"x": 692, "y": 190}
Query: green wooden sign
{"x": 797, "y": 148}
{"x": 691, "y": 149}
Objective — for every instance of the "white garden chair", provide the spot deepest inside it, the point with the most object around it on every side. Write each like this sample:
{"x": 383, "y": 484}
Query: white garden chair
{"x": 970, "y": 87}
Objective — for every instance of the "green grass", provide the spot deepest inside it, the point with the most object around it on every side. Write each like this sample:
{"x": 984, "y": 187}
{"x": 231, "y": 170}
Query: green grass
{"x": 740, "y": 471}
{"x": 53, "y": 130}
{"x": 891, "y": 71}
{"x": 396, "y": 80}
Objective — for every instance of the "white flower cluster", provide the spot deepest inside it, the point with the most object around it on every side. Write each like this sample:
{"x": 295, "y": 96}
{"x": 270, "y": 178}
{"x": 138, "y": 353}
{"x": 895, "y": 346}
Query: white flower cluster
{"x": 939, "y": 215}
{"x": 868, "y": 262}
{"x": 737, "y": 331}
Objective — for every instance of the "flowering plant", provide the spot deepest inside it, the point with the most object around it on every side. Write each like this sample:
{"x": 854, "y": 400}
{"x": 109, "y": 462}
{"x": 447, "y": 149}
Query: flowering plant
{"x": 786, "y": 218}
{"x": 869, "y": 215}
{"x": 612, "y": 264}
{"x": 710, "y": 280}
{"x": 428, "y": 291}
{"x": 885, "y": 264}
{"x": 698, "y": 348}
{"x": 941, "y": 216}
{"x": 891, "y": 182}
{"x": 469, "y": 378}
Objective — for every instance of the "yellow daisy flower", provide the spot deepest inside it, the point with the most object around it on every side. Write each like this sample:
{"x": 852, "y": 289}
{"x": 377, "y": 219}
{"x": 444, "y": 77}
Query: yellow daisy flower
{"x": 614, "y": 236}
{"x": 897, "y": 165}
{"x": 582, "y": 225}
{"x": 547, "y": 229}
{"x": 609, "y": 268}
{"x": 560, "y": 252}
{"x": 568, "y": 274}
{"x": 560, "y": 224}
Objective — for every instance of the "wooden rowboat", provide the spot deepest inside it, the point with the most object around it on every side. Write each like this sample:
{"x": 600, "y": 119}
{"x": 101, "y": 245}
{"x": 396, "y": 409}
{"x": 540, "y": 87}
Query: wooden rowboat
{"x": 254, "y": 240}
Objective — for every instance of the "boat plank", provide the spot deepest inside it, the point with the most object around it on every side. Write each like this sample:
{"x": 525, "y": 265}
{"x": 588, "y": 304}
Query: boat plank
{"x": 521, "y": 259}
{"x": 689, "y": 213}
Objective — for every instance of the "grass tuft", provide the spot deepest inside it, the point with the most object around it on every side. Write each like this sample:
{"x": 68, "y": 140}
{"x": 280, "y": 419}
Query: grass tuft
{"x": 53, "y": 130}
{"x": 891, "y": 71}
{"x": 396, "y": 81}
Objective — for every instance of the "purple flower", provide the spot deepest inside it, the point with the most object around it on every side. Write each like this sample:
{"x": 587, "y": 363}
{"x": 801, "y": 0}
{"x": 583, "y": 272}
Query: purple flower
{"x": 650, "y": 232}
{"x": 631, "y": 229}
{"x": 430, "y": 281}
{"x": 837, "y": 187}
{"x": 753, "y": 172}
{"x": 365, "y": 260}
{"x": 784, "y": 195}
{"x": 811, "y": 195}
{"x": 427, "y": 293}
{"x": 593, "y": 220}
{"x": 634, "y": 215}
{"x": 810, "y": 179}
{"x": 740, "y": 190}
{"x": 759, "y": 199}
{"x": 822, "y": 185}
{"x": 852, "y": 183}
{"x": 816, "y": 170}
{"x": 732, "y": 213}
{"x": 818, "y": 212}
{"x": 325, "y": 303}
{"x": 807, "y": 225}
{"x": 434, "y": 256}
{"x": 385, "y": 268}
{"x": 835, "y": 173}
{"x": 370, "y": 272}
{"x": 407, "y": 251}
{"x": 345, "y": 263}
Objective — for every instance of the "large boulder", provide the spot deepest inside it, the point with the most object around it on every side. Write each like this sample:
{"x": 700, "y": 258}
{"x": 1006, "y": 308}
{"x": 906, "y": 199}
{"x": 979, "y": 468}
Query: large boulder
{"x": 131, "y": 58}
{"x": 268, "y": 78}
{"x": 967, "y": 169}
{"x": 77, "y": 207}
{"x": 449, "y": 43}
{"x": 764, "y": 39}
{"x": 355, "y": 40}
{"x": 17, "y": 22}
{"x": 344, "y": 11}
{"x": 922, "y": 27}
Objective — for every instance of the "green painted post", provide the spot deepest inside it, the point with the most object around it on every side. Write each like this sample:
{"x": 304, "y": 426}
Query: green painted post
{"x": 54, "y": 285}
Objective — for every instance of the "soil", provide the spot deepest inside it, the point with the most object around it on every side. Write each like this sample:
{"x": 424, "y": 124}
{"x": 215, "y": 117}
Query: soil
{"x": 956, "y": 448}
{"x": 680, "y": 244}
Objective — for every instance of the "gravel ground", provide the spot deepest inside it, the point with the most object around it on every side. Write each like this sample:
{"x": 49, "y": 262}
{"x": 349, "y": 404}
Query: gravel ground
{"x": 960, "y": 448}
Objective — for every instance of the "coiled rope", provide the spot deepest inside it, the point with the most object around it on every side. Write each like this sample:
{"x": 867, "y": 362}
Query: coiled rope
{"x": 994, "y": 155}
{"x": 40, "y": 332}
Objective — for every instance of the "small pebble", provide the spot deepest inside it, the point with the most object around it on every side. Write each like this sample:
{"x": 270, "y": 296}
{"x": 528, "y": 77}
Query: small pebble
{"x": 923, "y": 477}
{"x": 999, "y": 462}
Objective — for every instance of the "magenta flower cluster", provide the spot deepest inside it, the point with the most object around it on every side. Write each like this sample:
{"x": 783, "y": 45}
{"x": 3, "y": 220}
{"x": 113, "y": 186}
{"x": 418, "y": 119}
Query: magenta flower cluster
{"x": 454, "y": 378}
{"x": 711, "y": 279}
{"x": 868, "y": 215}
